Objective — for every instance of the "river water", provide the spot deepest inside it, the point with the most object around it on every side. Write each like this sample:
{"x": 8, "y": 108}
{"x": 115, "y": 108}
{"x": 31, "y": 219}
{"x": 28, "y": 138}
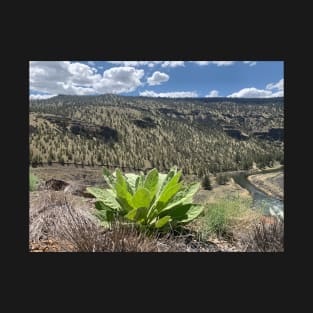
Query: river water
{"x": 269, "y": 205}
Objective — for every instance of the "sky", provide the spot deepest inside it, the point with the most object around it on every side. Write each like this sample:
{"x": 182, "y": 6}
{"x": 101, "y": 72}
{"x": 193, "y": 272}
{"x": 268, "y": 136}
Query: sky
{"x": 245, "y": 79}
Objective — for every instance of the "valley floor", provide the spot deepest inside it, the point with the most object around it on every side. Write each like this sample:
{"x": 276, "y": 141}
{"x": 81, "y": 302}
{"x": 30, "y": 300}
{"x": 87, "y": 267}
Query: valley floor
{"x": 49, "y": 212}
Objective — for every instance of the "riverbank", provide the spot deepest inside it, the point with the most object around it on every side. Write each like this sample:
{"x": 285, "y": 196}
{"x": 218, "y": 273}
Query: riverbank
{"x": 271, "y": 184}
{"x": 229, "y": 190}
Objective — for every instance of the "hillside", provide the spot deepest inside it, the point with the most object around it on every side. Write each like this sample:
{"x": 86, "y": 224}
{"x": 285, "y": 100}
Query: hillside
{"x": 198, "y": 135}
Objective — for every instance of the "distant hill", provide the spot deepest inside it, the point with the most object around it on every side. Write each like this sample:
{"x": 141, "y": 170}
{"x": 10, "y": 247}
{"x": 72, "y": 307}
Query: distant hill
{"x": 197, "y": 134}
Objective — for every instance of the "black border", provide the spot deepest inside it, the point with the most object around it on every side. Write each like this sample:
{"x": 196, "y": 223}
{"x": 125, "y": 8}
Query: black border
{"x": 205, "y": 41}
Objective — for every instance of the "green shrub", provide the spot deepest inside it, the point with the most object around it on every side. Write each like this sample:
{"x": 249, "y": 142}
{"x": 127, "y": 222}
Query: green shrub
{"x": 154, "y": 201}
{"x": 206, "y": 183}
{"x": 222, "y": 179}
{"x": 227, "y": 216}
{"x": 33, "y": 182}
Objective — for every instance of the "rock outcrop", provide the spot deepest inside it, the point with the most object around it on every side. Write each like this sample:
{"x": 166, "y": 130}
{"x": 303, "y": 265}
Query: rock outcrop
{"x": 55, "y": 184}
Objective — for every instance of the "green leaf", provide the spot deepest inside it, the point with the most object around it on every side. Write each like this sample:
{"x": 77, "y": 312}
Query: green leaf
{"x": 138, "y": 215}
{"x": 168, "y": 193}
{"x": 151, "y": 182}
{"x": 108, "y": 177}
{"x": 120, "y": 180}
{"x": 141, "y": 198}
{"x": 131, "y": 214}
{"x": 162, "y": 221}
{"x": 184, "y": 196}
{"x": 107, "y": 196}
{"x": 137, "y": 183}
{"x": 124, "y": 198}
{"x": 189, "y": 192}
{"x": 141, "y": 180}
{"x": 164, "y": 180}
{"x": 169, "y": 189}
{"x": 131, "y": 180}
{"x": 104, "y": 213}
{"x": 194, "y": 211}
{"x": 172, "y": 182}
{"x": 185, "y": 213}
{"x": 101, "y": 206}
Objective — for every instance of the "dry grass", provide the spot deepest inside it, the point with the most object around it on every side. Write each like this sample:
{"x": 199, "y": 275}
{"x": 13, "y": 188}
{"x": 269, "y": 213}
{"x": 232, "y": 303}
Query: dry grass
{"x": 51, "y": 211}
{"x": 266, "y": 237}
{"x": 59, "y": 223}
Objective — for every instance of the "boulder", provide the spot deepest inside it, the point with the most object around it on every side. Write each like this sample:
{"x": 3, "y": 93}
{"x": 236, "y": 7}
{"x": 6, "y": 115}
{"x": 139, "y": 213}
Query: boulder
{"x": 55, "y": 184}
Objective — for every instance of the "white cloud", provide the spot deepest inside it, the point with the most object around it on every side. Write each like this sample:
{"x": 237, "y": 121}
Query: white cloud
{"x": 218, "y": 63}
{"x": 251, "y": 63}
{"x": 212, "y": 94}
{"x": 223, "y": 63}
{"x": 279, "y": 85}
{"x": 157, "y": 78}
{"x": 173, "y": 63}
{"x": 201, "y": 63}
{"x": 251, "y": 93}
{"x": 64, "y": 77}
{"x": 152, "y": 64}
{"x": 119, "y": 79}
{"x": 278, "y": 94}
{"x": 271, "y": 90}
{"x": 136, "y": 63}
{"x": 40, "y": 97}
{"x": 130, "y": 63}
{"x": 170, "y": 63}
{"x": 173, "y": 94}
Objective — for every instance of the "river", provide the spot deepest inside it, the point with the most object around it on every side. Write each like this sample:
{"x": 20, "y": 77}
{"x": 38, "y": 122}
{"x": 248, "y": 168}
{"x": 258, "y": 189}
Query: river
{"x": 269, "y": 205}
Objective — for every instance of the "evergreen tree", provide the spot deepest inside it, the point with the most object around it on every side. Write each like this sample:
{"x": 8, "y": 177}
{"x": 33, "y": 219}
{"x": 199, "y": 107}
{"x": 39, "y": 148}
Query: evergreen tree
{"x": 206, "y": 183}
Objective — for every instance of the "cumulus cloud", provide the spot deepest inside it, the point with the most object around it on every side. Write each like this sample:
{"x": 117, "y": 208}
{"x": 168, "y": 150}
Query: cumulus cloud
{"x": 279, "y": 85}
{"x": 201, "y": 63}
{"x": 278, "y": 94}
{"x": 40, "y": 97}
{"x": 272, "y": 90}
{"x": 218, "y": 63}
{"x": 212, "y": 94}
{"x": 119, "y": 79}
{"x": 170, "y": 63}
{"x": 136, "y": 63}
{"x": 64, "y": 77}
{"x": 223, "y": 63}
{"x": 173, "y": 63}
{"x": 130, "y": 63}
{"x": 172, "y": 94}
{"x": 251, "y": 93}
{"x": 250, "y": 63}
{"x": 157, "y": 78}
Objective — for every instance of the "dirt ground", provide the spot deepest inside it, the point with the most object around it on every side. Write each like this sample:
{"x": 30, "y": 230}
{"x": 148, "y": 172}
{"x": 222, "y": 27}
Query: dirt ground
{"x": 219, "y": 192}
{"x": 270, "y": 183}
{"x": 93, "y": 176}
{"x": 69, "y": 173}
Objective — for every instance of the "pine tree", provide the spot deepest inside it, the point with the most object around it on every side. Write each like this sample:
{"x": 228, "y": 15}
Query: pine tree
{"x": 206, "y": 183}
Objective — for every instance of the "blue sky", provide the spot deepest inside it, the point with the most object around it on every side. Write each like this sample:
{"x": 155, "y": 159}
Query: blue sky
{"x": 248, "y": 79}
